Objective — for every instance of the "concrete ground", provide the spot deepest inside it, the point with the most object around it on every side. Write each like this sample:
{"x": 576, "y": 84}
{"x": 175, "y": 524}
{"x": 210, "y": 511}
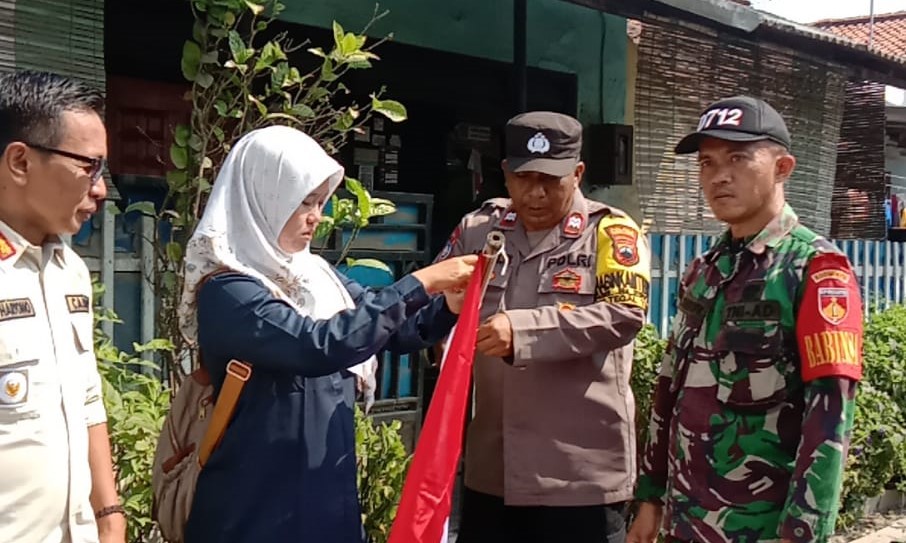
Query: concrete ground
{"x": 894, "y": 533}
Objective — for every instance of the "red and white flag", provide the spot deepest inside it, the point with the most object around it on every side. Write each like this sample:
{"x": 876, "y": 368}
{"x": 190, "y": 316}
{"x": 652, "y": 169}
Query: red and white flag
{"x": 424, "y": 510}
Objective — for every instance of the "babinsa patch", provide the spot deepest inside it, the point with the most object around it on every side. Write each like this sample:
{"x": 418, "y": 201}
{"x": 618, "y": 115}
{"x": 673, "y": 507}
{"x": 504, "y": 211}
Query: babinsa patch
{"x": 833, "y": 304}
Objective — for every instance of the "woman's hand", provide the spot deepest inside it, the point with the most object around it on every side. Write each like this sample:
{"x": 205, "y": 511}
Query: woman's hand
{"x": 455, "y": 299}
{"x": 453, "y": 273}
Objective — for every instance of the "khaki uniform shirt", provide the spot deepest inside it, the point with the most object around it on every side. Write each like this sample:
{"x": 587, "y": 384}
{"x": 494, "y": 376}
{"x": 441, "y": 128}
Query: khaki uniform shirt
{"x": 555, "y": 424}
{"x": 50, "y": 393}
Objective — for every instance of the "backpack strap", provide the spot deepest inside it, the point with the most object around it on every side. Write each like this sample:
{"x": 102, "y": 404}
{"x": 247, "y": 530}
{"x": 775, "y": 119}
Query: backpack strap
{"x": 237, "y": 373}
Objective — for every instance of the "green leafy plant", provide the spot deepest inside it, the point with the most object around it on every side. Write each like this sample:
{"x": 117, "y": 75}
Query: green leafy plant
{"x": 647, "y": 354}
{"x": 877, "y": 458}
{"x": 136, "y": 403}
{"x": 244, "y": 77}
{"x": 346, "y": 213}
{"x": 382, "y": 461}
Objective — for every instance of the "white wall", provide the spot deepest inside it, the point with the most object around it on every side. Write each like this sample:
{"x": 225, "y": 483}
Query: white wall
{"x": 896, "y": 97}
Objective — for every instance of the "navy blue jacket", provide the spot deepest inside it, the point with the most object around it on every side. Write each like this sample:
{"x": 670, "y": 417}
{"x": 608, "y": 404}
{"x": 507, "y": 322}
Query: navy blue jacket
{"x": 285, "y": 470}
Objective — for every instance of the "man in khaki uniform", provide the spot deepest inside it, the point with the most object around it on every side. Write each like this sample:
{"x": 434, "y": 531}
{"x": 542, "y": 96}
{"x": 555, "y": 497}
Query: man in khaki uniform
{"x": 550, "y": 451}
{"x": 54, "y": 447}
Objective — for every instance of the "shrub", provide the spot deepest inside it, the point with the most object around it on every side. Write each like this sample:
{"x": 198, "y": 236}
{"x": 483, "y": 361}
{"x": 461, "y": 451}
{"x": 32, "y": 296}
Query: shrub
{"x": 648, "y": 352}
{"x": 382, "y": 463}
{"x": 136, "y": 403}
{"x": 877, "y": 458}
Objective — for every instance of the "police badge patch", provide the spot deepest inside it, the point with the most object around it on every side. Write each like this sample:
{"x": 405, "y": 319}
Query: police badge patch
{"x": 539, "y": 144}
{"x": 575, "y": 223}
{"x": 567, "y": 281}
{"x": 625, "y": 244}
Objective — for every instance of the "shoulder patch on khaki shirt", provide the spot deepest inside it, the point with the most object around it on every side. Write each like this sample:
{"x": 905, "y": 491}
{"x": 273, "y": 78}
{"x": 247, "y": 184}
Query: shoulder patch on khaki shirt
{"x": 623, "y": 271}
{"x": 77, "y": 303}
{"x": 18, "y": 308}
{"x": 6, "y": 248}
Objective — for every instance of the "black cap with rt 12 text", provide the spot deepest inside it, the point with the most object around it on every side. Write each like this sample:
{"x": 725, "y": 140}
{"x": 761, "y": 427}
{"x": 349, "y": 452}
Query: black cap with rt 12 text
{"x": 740, "y": 118}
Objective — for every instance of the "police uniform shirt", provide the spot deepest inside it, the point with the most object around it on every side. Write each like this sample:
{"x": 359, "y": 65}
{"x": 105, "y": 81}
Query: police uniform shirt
{"x": 50, "y": 393}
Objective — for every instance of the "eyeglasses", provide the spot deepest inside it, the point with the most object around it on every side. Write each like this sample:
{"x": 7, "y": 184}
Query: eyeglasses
{"x": 96, "y": 164}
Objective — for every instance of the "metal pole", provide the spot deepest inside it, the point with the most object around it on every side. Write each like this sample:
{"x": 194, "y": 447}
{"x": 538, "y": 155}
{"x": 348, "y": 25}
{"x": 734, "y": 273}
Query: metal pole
{"x": 520, "y": 18}
{"x": 493, "y": 250}
{"x": 871, "y": 23}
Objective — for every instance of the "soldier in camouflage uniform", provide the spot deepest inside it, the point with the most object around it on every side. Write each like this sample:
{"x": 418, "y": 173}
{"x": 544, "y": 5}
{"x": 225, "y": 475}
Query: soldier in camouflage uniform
{"x": 753, "y": 407}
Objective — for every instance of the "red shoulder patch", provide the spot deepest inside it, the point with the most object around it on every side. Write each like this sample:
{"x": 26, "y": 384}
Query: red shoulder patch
{"x": 508, "y": 221}
{"x": 448, "y": 248}
{"x": 6, "y": 248}
{"x": 574, "y": 225}
{"x": 829, "y": 323}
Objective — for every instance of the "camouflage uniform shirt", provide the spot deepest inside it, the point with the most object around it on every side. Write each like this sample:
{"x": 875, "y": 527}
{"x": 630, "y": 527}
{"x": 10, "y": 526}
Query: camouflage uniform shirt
{"x": 753, "y": 407}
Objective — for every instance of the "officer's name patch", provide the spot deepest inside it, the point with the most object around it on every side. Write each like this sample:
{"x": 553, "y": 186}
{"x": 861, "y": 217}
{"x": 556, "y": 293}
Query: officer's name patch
{"x": 765, "y": 310}
{"x": 18, "y": 308}
{"x": 77, "y": 303}
{"x": 571, "y": 260}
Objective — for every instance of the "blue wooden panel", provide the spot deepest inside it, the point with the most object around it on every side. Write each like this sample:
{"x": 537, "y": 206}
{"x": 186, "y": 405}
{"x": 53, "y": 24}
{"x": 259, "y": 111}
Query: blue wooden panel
{"x": 384, "y": 241}
{"x": 368, "y": 276}
{"x": 404, "y": 372}
{"x": 127, "y": 304}
{"x": 406, "y": 213}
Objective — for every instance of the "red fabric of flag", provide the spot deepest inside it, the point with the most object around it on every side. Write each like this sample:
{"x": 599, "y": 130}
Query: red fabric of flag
{"x": 427, "y": 493}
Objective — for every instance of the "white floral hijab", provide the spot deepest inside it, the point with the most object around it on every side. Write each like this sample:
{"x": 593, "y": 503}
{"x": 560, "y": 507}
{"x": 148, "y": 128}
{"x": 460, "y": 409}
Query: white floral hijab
{"x": 264, "y": 179}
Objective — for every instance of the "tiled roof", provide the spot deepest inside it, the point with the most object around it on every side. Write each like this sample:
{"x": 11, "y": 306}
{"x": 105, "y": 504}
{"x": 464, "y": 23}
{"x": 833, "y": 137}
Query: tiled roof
{"x": 889, "y": 37}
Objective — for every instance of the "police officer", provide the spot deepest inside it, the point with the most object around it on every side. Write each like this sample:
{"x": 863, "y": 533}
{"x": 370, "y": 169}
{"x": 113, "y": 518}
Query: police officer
{"x": 550, "y": 451}
{"x": 753, "y": 406}
{"x": 58, "y": 483}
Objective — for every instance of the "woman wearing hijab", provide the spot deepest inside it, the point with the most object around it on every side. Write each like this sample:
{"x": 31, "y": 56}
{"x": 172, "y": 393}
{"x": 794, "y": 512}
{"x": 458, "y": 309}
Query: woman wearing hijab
{"x": 285, "y": 469}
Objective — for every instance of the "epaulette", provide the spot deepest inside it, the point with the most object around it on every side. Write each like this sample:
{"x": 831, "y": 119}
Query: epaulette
{"x": 496, "y": 203}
